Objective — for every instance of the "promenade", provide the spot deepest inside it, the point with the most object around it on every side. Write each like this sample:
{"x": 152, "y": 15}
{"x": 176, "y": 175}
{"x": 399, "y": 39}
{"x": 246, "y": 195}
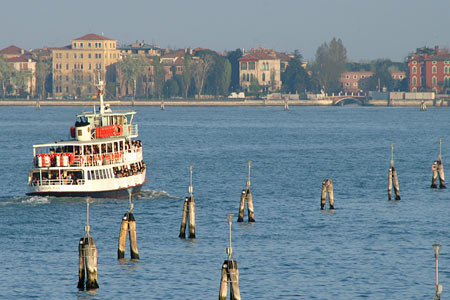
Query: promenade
{"x": 222, "y": 102}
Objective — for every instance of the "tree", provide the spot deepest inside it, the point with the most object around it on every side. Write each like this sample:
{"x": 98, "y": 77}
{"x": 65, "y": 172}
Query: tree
{"x": 233, "y": 58}
{"x": 171, "y": 88}
{"x": 218, "y": 81}
{"x": 329, "y": 64}
{"x": 159, "y": 76}
{"x": 186, "y": 77}
{"x": 130, "y": 69}
{"x": 201, "y": 68}
{"x": 254, "y": 87}
{"x": 43, "y": 70}
{"x": 6, "y": 71}
{"x": 20, "y": 81}
{"x": 295, "y": 78}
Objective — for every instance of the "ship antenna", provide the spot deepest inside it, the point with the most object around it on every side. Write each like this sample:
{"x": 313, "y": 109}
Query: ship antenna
{"x": 101, "y": 87}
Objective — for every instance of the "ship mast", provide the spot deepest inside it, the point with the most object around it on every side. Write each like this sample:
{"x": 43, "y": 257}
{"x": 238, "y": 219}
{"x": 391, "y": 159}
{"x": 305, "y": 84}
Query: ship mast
{"x": 100, "y": 84}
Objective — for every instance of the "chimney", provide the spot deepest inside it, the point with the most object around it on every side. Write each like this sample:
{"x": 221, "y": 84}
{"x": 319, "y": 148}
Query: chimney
{"x": 436, "y": 49}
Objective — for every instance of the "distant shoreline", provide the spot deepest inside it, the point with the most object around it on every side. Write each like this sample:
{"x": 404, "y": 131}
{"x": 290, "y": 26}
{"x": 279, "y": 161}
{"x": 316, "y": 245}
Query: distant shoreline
{"x": 373, "y": 102}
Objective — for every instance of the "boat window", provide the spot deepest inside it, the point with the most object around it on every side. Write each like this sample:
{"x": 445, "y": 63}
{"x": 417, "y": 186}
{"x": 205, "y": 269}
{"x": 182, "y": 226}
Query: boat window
{"x": 104, "y": 174}
{"x": 88, "y": 175}
{"x": 92, "y": 175}
{"x": 97, "y": 175}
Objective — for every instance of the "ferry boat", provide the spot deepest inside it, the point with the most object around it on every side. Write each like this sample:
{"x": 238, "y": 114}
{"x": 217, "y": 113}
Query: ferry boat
{"x": 103, "y": 158}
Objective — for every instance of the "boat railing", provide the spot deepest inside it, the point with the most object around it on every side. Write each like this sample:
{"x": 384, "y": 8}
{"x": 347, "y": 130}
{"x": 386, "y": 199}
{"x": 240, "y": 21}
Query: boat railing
{"x": 88, "y": 160}
{"x": 61, "y": 181}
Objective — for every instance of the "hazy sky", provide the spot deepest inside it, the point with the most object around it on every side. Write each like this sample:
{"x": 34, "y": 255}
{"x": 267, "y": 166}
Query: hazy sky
{"x": 369, "y": 29}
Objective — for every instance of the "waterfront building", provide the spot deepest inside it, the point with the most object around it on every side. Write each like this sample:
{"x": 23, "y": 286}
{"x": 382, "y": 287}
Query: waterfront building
{"x": 351, "y": 80}
{"x": 22, "y": 61}
{"x": 429, "y": 70}
{"x": 76, "y": 66}
{"x": 261, "y": 67}
{"x": 141, "y": 48}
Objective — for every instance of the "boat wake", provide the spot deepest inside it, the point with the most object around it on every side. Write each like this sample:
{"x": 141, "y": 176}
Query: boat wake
{"x": 155, "y": 195}
{"x": 36, "y": 200}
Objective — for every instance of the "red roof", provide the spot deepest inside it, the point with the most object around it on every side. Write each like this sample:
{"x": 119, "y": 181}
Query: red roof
{"x": 11, "y": 50}
{"x": 93, "y": 37}
{"x": 19, "y": 59}
{"x": 257, "y": 56}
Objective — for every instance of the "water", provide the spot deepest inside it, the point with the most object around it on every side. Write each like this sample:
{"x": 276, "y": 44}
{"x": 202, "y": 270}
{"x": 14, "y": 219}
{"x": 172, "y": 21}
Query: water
{"x": 367, "y": 248}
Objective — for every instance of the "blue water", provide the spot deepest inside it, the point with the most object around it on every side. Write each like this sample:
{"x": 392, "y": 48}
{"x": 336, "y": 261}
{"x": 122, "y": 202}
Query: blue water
{"x": 367, "y": 248}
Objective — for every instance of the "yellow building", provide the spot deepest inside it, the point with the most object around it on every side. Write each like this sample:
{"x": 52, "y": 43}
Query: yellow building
{"x": 76, "y": 66}
{"x": 262, "y": 68}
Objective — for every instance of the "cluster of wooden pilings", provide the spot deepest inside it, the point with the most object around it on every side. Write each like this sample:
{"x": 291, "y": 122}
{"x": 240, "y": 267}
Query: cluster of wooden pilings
{"x": 230, "y": 272}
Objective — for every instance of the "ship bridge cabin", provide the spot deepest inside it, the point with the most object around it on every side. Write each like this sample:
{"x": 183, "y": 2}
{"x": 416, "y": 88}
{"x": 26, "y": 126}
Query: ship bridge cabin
{"x": 90, "y": 126}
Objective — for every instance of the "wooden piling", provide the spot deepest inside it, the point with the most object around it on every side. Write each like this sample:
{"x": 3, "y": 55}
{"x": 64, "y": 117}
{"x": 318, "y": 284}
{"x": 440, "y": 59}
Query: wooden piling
{"x": 81, "y": 264}
{"x": 323, "y": 197}
{"x": 182, "y": 234}
{"x": 390, "y": 184}
{"x": 242, "y": 206}
{"x": 330, "y": 193}
{"x": 440, "y": 171}
{"x": 434, "y": 168}
{"x": 395, "y": 182}
{"x": 133, "y": 237}
{"x": 191, "y": 217}
{"x": 251, "y": 213}
{"x": 90, "y": 256}
{"x": 224, "y": 282}
{"x": 122, "y": 237}
{"x": 233, "y": 272}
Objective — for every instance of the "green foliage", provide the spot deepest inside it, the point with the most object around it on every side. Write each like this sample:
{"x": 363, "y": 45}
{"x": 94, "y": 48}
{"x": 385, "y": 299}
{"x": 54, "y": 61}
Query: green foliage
{"x": 186, "y": 77}
{"x": 329, "y": 64}
{"x": 254, "y": 88}
{"x": 171, "y": 88}
{"x": 233, "y": 58}
{"x": 130, "y": 69}
{"x": 159, "y": 77}
{"x": 6, "y": 71}
{"x": 20, "y": 81}
{"x": 219, "y": 77}
{"x": 200, "y": 71}
{"x": 43, "y": 70}
{"x": 295, "y": 78}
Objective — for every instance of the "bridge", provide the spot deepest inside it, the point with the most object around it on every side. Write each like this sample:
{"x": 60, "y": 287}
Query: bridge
{"x": 341, "y": 98}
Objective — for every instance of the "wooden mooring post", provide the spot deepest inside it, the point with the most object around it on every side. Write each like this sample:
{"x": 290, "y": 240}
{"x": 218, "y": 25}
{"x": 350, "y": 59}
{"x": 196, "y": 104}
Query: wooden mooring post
{"x": 128, "y": 225}
{"x": 230, "y": 272}
{"x": 438, "y": 170}
{"x": 188, "y": 212}
{"x": 327, "y": 189}
{"x": 87, "y": 255}
{"x": 246, "y": 196}
{"x": 392, "y": 178}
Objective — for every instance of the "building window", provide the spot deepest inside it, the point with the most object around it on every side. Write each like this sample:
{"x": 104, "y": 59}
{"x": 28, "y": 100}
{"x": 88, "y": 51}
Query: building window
{"x": 81, "y": 45}
{"x": 355, "y": 83}
{"x": 414, "y": 70}
{"x": 67, "y": 78}
{"x": 90, "y": 66}
{"x": 363, "y": 76}
{"x": 434, "y": 62}
{"x": 434, "y": 80}
{"x": 414, "y": 90}
{"x": 400, "y": 76}
{"x": 355, "y": 76}
{"x": 251, "y": 65}
{"x": 81, "y": 55}
{"x": 414, "y": 62}
{"x": 89, "y": 45}
{"x": 347, "y": 76}
{"x": 74, "y": 45}
{"x": 414, "y": 80}
{"x": 67, "y": 89}
{"x": 243, "y": 77}
{"x": 89, "y": 55}
{"x": 99, "y": 45}
{"x": 434, "y": 69}
{"x": 264, "y": 77}
{"x": 445, "y": 69}
{"x": 248, "y": 77}
{"x": 243, "y": 65}
{"x": 67, "y": 66}
{"x": 347, "y": 84}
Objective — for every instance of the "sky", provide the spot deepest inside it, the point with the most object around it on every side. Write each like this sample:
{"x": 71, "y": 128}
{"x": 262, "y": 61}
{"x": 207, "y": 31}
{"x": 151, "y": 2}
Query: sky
{"x": 369, "y": 29}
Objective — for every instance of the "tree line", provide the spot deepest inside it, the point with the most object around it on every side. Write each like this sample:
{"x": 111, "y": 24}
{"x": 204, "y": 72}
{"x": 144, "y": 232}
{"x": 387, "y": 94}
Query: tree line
{"x": 210, "y": 73}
